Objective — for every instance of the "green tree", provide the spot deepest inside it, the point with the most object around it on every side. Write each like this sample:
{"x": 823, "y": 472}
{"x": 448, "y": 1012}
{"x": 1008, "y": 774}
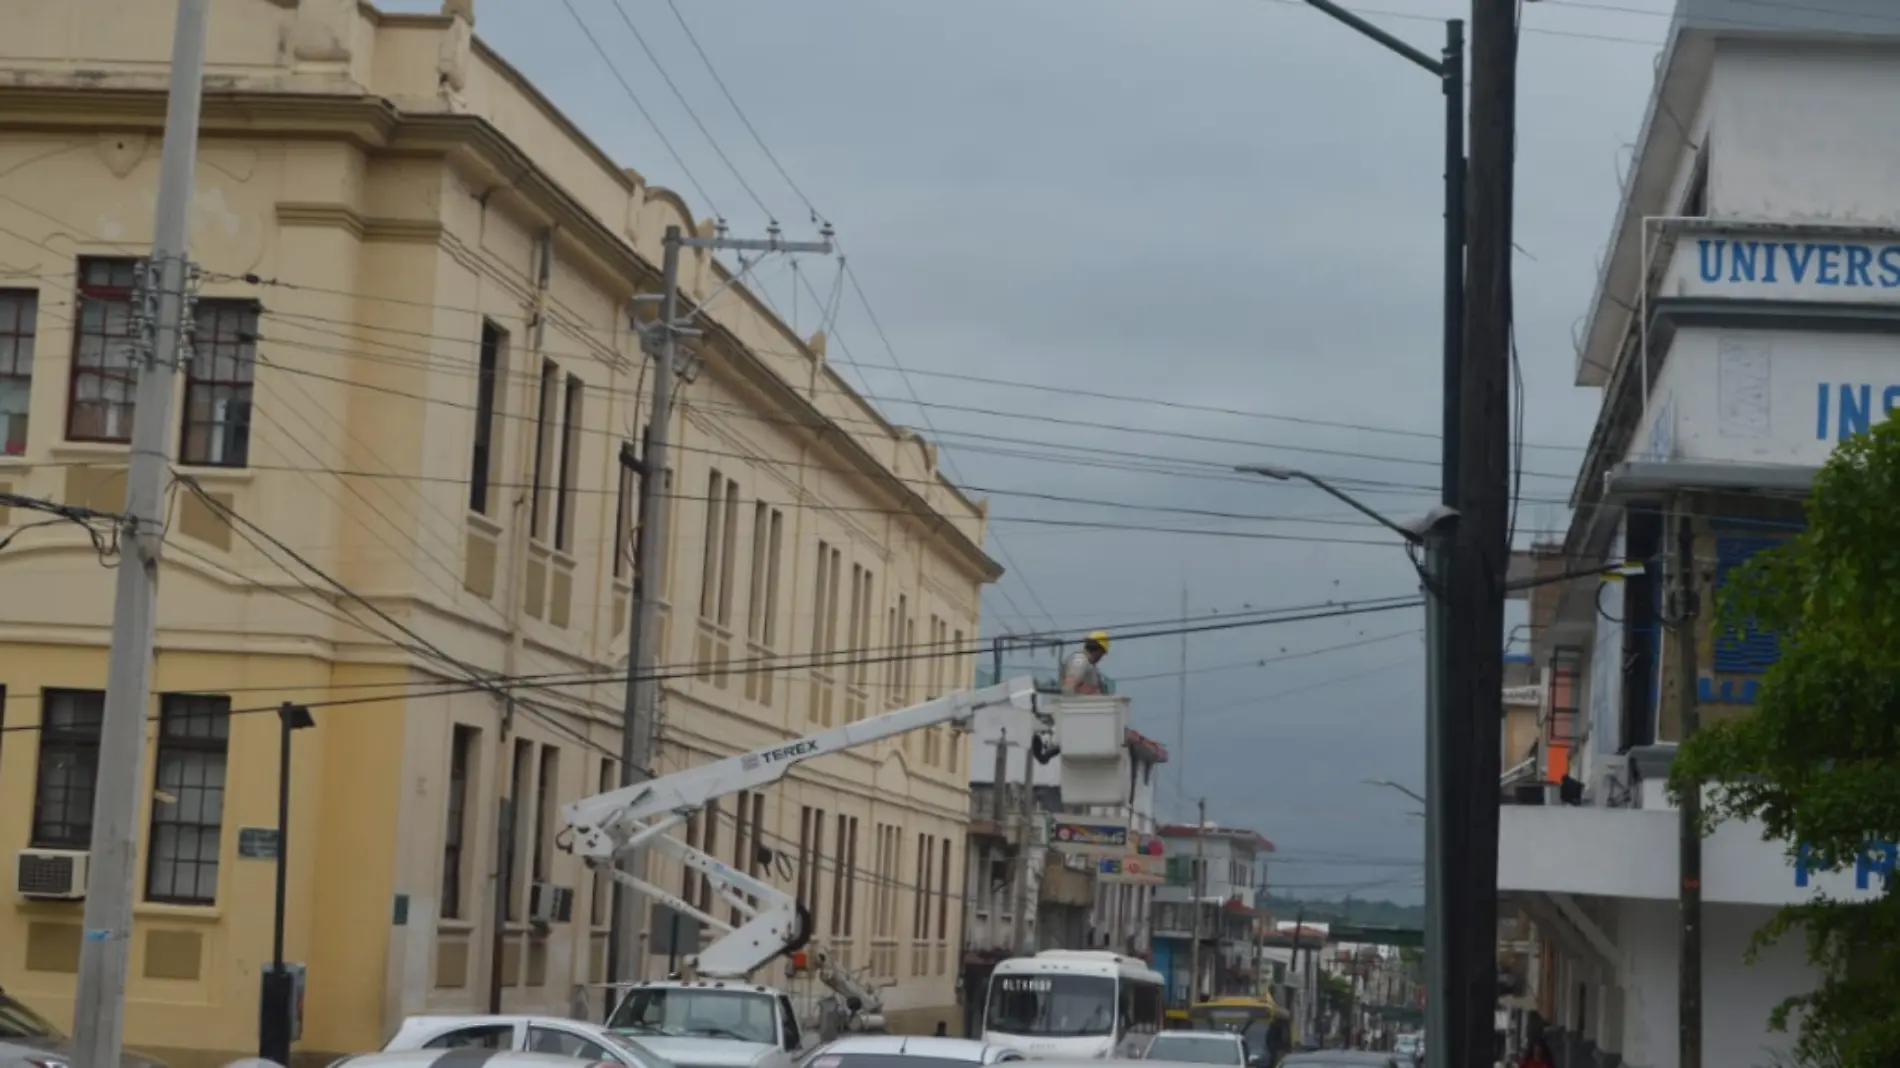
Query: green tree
{"x": 1817, "y": 759}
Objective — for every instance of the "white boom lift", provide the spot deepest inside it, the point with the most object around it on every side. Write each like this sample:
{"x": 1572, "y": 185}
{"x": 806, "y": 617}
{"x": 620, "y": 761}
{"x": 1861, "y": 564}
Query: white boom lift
{"x": 602, "y": 828}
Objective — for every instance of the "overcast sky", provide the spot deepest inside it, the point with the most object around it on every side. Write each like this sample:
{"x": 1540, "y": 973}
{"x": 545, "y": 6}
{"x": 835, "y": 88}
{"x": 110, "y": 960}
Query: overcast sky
{"x": 1229, "y": 204}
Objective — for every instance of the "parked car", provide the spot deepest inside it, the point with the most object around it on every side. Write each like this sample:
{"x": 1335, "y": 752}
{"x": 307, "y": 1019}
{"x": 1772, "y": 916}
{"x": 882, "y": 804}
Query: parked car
{"x": 1199, "y": 1047}
{"x": 1344, "y": 1058}
{"x": 553, "y": 1035}
{"x": 458, "y": 1057}
{"x": 29, "y": 1040}
{"x": 906, "y": 1051}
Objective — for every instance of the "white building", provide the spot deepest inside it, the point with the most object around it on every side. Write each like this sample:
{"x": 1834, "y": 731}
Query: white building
{"x": 1743, "y": 323}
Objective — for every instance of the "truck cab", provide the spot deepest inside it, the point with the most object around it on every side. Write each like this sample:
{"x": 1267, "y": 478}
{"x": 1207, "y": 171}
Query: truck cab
{"x": 711, "y": 1023}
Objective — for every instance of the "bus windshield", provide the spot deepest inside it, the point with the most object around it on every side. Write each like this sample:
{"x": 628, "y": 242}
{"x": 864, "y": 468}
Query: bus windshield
{"x": 1053, "y": 1006}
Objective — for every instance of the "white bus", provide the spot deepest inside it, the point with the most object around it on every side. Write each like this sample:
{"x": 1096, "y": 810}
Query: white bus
{"x": 1072, "y": 1003}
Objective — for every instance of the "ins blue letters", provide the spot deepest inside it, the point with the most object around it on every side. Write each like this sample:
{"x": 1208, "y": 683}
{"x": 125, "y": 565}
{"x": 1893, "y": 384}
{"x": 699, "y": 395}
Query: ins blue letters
{"x": 1876, "y": 859}
{"x": 1857, "y": 265}
{"x": 1854, "y": 412}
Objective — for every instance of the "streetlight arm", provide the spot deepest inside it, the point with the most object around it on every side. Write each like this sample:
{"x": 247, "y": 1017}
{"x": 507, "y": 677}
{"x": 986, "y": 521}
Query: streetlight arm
{"x": 1283, "y": 474}
{"x": 1380, "y": 36}
{"x": 1400, "y": 787}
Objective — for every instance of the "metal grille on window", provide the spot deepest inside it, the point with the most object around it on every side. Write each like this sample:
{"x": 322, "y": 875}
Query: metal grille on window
{"x": 188, "y": 804}
{"x": 68, "y": 767}
{"x": 217, "y": 418}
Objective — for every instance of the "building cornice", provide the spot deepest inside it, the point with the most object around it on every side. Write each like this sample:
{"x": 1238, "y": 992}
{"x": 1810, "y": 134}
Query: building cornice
{"x": 375, "y": 125}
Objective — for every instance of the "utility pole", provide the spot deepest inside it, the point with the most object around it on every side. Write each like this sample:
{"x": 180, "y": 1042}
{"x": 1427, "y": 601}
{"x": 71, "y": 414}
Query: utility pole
{"x": 1474, "y": 724}
{"x": 1023, "y": 900}
{"x": 1683, "y": 612}
{"x": 641, "y": 711}
{"x": 164, "y": 310}
{"x": 1199, "y": 891}
{"x": 1299, "y": 977}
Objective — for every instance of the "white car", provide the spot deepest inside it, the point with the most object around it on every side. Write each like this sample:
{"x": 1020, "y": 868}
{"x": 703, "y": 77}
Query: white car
{"x": 897, "y": 1051}
{"x": 553, "y": 1035}
{"x": 1199, "y": 1047}
{"x": 710, "y": 1024}
{"x": 457, "y": 1057}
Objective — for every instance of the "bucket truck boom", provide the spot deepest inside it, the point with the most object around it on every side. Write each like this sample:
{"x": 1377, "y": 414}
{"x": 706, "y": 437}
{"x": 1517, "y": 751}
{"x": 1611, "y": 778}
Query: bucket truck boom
{"x": 602, "y": 828}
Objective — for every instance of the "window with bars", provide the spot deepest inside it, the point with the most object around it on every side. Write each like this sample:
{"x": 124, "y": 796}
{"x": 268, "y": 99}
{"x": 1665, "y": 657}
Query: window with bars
{"x": 455, "y": 835}
{"x": 215, "y": 430}
{"x": 194, "y": 735}
{"x": 489, "y": 377}
{"x": 68, "y": 767}
{"x": 105, "y": 352}
{"x": 19, "y": 328}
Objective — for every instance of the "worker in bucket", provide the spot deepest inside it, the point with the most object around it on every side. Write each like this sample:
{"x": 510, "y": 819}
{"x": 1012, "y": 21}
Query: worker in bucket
{"x": 1079, "y": 672}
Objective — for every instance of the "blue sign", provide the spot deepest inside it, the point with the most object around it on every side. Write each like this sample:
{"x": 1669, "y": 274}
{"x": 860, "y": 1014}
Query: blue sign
{"x": 1852, "y": 264}
{"x": 1720, "y": 691}
{"x": 1877, "y": 859}
{"x": 1844, "y": 409}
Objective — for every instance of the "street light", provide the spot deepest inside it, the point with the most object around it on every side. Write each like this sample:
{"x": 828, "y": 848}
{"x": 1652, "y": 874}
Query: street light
{"x": 1449, "y": 69}
{"x": 277, "y": 1007}
{"x": 1434, "y": 533}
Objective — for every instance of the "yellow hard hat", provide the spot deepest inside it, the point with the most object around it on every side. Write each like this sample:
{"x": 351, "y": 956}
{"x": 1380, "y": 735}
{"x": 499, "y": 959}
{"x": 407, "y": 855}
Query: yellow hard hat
{"x": 1099, "y": 637}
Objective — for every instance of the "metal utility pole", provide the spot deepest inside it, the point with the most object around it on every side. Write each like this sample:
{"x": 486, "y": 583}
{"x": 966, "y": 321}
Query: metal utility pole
{"x": 1180, "y": 716}
{"x": 99, "y": 1007}
{"x": 1482, "y": 555}
{"x": 1441, "y": 786}
{"x": 1299, "y": 977}
{"x": 641, "y": 711}
{"x": 1686, "y": 607}
{"x": 1199, "y": 891}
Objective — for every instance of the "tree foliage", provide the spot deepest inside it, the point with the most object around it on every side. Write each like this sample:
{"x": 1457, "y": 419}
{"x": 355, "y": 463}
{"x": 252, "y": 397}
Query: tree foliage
{"x": 1817, "y": 759}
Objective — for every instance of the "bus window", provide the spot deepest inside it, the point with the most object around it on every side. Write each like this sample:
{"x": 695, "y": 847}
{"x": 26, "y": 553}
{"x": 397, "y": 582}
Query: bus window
{"x": 1148, "y": 1006}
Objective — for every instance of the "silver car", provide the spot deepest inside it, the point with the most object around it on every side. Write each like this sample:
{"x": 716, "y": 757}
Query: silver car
{"x": 29, "y": 1040}
{"x": 906, "y": 1051}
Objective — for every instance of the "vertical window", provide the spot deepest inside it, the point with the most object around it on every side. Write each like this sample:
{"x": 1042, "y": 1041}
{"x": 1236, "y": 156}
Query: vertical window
{"x": 68, "y": 767}
{"x": 216, "y": 427}
{"x": 715, "y": 570}
{"x": 194, "y": 731}
{"x": 744, "y": 833}
{"x": 461, "y": 760}
{"x": 105, "y": 347}
{"x": 599, "y": 914}
{"x": 481, "y": 461}
{"x": 517, "y": 798}
{"x": 19, "y": 323}
{"x": 920, "y": 892}
{"x": 943, "y": 891}
{"x": 568, "y": 474}
{"x": 546, "y": 803}
{"x": 768, "y": 536}
{"x": 851, "y": 882}
{"x": 709, "y": 844}
{"x": 803, "y": 875}
{"x": 838, "y": 868}
{"x": 623, "y": 522}
{"x": 543, "y": 450}
{"x": 816, "y": 887}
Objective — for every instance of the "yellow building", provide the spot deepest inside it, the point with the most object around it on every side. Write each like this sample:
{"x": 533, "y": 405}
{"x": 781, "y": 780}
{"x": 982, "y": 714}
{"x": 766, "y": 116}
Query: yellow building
{"x": 413, "y": 374}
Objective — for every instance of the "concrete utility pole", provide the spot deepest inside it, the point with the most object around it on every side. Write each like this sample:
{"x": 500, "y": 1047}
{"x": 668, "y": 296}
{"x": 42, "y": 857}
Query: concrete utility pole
{"x": 1685, "y": 595}
{"x": 1481, "y": 557}
{"x": 641, "y": 712}
{"x": 1020, "y": 942}
{"x": 164, "y": 289}
{"x": 1199, "y": 890}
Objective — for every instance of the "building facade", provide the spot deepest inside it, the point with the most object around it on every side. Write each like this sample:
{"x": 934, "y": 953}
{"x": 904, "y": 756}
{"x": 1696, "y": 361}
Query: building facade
{"x": 1212, "y": 874}
{"x": 399, "y": 502}
{"x": 1742, "y": 325}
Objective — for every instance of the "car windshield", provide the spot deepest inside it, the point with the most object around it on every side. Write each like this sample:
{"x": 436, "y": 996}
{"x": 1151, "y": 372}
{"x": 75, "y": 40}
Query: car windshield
{"x": 1053, "y": 1006}
{"x": 1189, "y": 1049}
{"x": 743, "y": 1015}
{"x": 18, "y": 1021}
